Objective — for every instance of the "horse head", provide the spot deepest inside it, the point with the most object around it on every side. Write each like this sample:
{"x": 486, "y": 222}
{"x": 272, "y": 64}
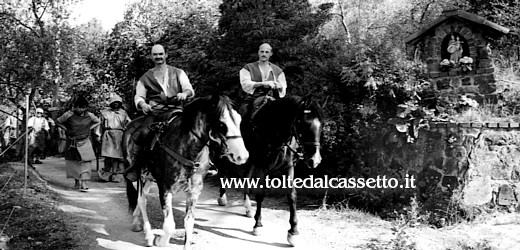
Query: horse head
{"x": 308, "y": 128}
{"x": 225, "y": 129}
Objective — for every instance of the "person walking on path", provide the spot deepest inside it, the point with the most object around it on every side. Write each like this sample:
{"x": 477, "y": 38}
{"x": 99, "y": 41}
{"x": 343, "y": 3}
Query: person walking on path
{"x": 39, "y": 134}
{"x": 113, "y": 125}
{"x": 79, "y": 153}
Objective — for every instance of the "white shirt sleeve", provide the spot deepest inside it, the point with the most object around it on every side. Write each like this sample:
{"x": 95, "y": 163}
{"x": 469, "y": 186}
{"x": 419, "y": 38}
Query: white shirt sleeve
{"x": 185, "y": 83}
{"x": 46, "y": 125}
{"x": 247, "y": 84}
{"x": 140, "y": 94}
{"x": 283, "y": 85}
{"x": 30, "y": 122}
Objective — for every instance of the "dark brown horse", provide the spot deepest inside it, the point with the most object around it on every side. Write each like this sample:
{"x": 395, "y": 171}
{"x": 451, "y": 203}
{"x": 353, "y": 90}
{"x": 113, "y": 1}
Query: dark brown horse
{"x": 180, "y": 159}
{"x": 283, "y": 131}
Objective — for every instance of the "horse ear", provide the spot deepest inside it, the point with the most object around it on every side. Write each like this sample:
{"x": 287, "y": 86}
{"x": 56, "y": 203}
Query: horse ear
{"x": 214, "y": 136}
{"x": 307, "y": 100}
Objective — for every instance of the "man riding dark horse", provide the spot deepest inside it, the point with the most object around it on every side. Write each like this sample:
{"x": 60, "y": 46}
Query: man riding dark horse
{"x": 159, "y": 92}
{"x": 261, "y": 80}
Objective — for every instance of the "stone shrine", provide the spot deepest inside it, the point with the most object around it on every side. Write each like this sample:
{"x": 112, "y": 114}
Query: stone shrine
{"x": 456, "y": 49}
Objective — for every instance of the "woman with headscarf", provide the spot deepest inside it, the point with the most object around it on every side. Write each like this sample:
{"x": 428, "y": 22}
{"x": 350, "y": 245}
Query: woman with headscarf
{"x": 79, "y": 153}
{"x": 113, "y": 125}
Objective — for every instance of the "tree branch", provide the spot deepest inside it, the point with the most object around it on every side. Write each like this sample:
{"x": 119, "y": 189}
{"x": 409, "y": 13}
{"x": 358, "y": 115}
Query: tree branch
{"x": 18, "y": 21}
{"x": 343, "y": 22}
{"x": 425, "y": 10}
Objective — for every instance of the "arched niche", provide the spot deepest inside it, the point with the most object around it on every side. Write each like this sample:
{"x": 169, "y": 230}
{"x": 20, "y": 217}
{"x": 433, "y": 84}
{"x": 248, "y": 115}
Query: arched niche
{"x": 446, "y": 41}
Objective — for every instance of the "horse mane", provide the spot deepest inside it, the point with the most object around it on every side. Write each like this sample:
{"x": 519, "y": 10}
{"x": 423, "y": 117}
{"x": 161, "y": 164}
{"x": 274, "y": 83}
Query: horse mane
{"x": 211, "y": 106}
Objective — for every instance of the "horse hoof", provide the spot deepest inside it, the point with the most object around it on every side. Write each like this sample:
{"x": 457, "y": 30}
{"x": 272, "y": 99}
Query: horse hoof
{"x": 249, "y": 214}
{"x": 137, "y": 228}
{"x": 292, "y": 239}
{"x": 222, "y": 201}
{"x": 150, "y": 242}
{"x": 257, "y": 231}
{"x": 157, "y": 241}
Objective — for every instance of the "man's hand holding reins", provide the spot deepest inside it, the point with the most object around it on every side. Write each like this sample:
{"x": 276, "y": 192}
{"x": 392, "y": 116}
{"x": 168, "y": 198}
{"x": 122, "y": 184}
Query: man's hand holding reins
{"x": 145, "y": 107}
{"x": 182, "y": 96}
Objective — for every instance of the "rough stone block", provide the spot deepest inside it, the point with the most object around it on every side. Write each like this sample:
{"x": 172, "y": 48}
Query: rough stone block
{"x": 450, "y": 182}
{"x": 490, "y": 78}
{"x": 470, "y": 90}
{"x": 514, "y": 125}
{"x": 451, "y": 167}
{"x": 443, "y": 84}
{"x": 478, "y": 80}
{"x": 492, "y": 125}
{"x": 506, "y": 196}
{"x": 466, "y": 80}
{"x": 503, "y": 124}
{"x": 478, "y": 191}
{"x": 500, "y": 171}
{"x": 484, "y": 63}
{"x": 477, "y": 125}
{"x": 438, "y": 124}
{"x": 452, "y": 125}
{"x": 487, "y": 88}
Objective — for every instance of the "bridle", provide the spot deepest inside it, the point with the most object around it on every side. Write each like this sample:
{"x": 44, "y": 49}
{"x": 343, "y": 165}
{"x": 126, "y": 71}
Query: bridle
{"x": 300, "y": 148}
{"x": 194, "y": 164}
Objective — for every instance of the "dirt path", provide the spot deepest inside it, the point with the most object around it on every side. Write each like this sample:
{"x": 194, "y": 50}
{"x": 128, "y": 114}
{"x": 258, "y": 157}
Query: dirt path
{"x": 104, "y": 211}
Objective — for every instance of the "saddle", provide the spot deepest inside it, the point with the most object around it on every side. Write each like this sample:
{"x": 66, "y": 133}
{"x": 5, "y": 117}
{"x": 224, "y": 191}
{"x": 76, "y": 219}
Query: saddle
{"x": 259, "y": 103}
{"x": 157, "y": 128}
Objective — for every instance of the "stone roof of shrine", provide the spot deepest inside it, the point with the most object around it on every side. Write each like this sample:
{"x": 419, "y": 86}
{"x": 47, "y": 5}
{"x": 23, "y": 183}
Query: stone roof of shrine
{"x": 492, "y": 28}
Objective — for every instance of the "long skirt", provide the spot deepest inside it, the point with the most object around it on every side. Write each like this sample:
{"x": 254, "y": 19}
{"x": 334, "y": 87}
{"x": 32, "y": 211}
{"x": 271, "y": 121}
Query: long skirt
{"x": 79, "y": 170}
{"x": 79, "y": 159}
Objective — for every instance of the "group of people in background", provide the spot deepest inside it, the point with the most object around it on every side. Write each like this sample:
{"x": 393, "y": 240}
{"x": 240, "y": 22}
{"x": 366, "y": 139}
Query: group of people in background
{"x": 73, "y": 135}
{"x": 81, "y": 128}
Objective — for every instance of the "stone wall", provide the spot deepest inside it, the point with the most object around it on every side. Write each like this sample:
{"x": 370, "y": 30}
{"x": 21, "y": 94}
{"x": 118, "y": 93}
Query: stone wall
{"x": 480, "y": 161}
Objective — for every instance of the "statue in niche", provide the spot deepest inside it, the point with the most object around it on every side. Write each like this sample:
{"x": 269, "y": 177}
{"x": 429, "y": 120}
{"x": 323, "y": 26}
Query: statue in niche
{"x": 455, "y": 49}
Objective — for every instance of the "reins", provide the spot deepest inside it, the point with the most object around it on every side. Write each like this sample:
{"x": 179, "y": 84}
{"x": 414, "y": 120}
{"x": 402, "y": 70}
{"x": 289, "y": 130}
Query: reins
{"x": 296, "y": 135}
{"x": 180, "y": 158}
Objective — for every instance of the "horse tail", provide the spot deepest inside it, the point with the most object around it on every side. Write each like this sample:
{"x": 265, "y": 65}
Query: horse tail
{"x": 132, "y": 194}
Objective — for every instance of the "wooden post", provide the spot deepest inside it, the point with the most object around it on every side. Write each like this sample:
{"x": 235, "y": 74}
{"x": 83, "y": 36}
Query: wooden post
{"x": 26, "y": 144}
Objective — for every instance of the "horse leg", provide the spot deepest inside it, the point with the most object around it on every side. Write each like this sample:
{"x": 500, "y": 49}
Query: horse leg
{"x": 146, "y": 227}
{"x": 169, "y": 222}
{"x": 192, "y": 196}
{"x": 247, "y": 204}
{"x": 293, "y": 220}
{"x": 222, "y": 199}
{"x": 259, "y": 197}
{"x": 132, "y": 194}
{"x": 137, "y": 224}
{"x": 247, "y": 201}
